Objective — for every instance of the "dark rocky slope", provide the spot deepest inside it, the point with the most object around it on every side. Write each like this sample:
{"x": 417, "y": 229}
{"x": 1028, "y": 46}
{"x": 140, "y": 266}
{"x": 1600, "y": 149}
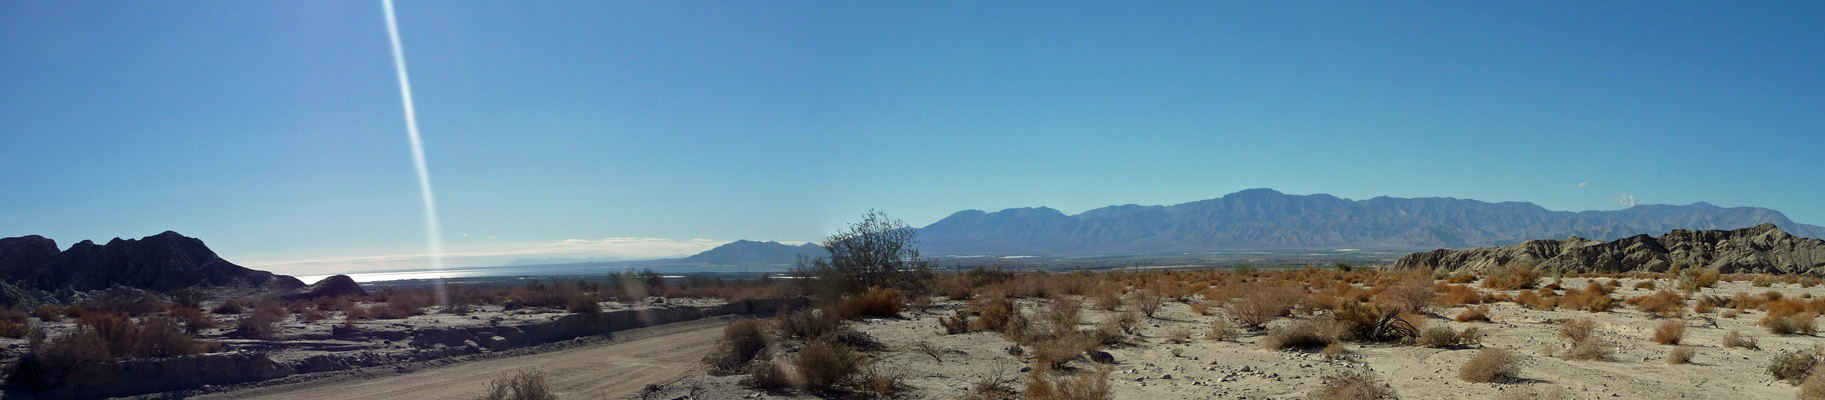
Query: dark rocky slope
{"x": 1760, "y": 249}
{"x": 31, "y": 268}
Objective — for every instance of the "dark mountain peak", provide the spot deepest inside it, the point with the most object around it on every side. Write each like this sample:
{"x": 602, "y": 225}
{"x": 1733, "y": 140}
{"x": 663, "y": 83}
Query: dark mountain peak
{"x": 748, "y": 252}
{"x": 163, "y": 262}
{"x": 21, "y": 256}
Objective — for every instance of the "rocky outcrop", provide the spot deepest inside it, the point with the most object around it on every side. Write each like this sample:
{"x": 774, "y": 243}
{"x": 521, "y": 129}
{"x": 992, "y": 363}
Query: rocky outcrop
{"x": 1760, "y": 249}
{"x": 334, "y": 286}
{"x": 162, "y": 262}
{"x": 22, "y": 256}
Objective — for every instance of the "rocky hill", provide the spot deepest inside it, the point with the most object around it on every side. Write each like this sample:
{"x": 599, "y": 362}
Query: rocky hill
{"x": 748, "y": 252}
{"x": 1763, "y": 248}
{"x": 162, "y": 262}
{"x": 1265, "y": 219}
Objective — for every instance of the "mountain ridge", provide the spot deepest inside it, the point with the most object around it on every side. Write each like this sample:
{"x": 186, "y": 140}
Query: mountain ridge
{"x": 1259, "y": 219}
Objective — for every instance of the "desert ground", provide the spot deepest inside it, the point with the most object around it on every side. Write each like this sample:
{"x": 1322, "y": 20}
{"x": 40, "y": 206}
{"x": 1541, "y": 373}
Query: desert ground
{"x": 1157, "y": 361}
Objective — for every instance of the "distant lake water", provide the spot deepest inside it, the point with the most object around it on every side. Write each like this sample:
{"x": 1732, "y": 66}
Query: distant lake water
{"x": 545, "y": 270}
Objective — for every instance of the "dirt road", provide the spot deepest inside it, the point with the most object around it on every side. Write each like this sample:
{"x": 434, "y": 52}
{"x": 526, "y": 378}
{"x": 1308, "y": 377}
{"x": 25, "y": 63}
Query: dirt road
{"x": 615, "y": 370}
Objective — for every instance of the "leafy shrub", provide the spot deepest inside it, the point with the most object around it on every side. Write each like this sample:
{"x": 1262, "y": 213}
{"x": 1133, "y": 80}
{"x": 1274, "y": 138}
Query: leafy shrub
{"x": 523, "y": 385}
{"x": 1352, "y": 385}
{"x": 1491, "y": 364}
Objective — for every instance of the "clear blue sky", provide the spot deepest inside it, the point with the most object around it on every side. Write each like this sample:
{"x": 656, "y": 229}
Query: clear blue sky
{"x": 274, "y": 130}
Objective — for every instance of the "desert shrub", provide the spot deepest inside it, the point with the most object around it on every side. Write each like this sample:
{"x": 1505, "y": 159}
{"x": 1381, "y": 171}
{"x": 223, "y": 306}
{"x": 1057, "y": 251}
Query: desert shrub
{"x": 1437, "y": 336}
{"x": 1644, "y": 285}
{"x": 1202, "y": 307}
{"x": 1352, "y": 385}
{"x": 1793, "y": 366}
{"x": 1474, "y": 314}
{"x": 996, "y": 311}
{"x": 1736, "y": 339}
{"x": 1801, "y": 324}
{"x": 49, "y": 313}
{"x": 230, "y": 306}
{"x": 1586, "y": 345}
{"x": 51, "y": 360}
{"x": 955, "y": 324}
{"x": 579, "y": 303}
{"x": 1086, "y": 386}
{"x": 883, "y": 382}
{"x": 1355, "y": 319}
{"x": 1523, "y": 393}
{"x": 1762, "y": 280}
{"x": 1693, "y": 279}
{"x": 1302, "y": 334}
{"x": 187, "y": 297}
{"x": 768, "y": 376}
{"x": 875, "y": 302}
{"x": 806, "y": 325}
{"x": 1681, "y": 355}
{"x": 1057, "y": 351}
{"x": 877, "y": 251}
{"x": 1662, "y": 304}
{"x": 1257, "y": 307}
{"x": 823, "y": 367}
{"x": 1514, "y": 276}
{"x": 262, "y": 323}
{"x": 1813, "y": 388}
{"x": 522, "y": 385}
{"x": 1127, "y": 322}
{"x": 1146, "y": 301}
{"x": 1491, "y": 364}
{"x": 1670, "y": 332}
{"x": 1409, "y": 293}
{"x": 1704, "y": 307}
{"x": 1221, "y": 330}
{"x": 1592, "y": 298}
{"x": 1063, "y": 315}
{"x": 124, "y": 300}
{"x": 741, "y": 342}
{"x": 162, "y": 337}
{"x": 1108, "y": 297}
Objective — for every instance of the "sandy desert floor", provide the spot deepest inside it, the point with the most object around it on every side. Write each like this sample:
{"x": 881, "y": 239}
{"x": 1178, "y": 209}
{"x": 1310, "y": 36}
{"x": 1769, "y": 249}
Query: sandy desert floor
{"x": 1147, "y": 368}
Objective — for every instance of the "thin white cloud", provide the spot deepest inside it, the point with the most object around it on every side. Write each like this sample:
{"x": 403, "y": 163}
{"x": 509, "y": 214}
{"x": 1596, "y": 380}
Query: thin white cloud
{"x": 1582, "y": 184}
{"x": 1624, "y": 199}
{"x": 625, "y": 248}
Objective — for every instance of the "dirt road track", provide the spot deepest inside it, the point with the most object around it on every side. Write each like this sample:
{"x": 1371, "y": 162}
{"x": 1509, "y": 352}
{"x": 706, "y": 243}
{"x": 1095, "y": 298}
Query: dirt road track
{"x": 614, "y": 370}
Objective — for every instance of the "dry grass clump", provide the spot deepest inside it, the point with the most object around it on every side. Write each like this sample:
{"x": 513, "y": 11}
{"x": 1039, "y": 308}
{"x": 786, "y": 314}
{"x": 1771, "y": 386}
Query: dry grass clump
{"x": 994, "y": 313}
{"x": 49, "y": 313}
{"x": 1644, "y": 285}
{"x": 1085, "y": 386}
{"x": 1412, "y": 293}
{"x": 1586, "y": 345}
{"x": 1663, "y": 304}
{"x": 1222, "y": 331}
{"x": 1491, "y": 364}
{"x": 806, "y": 325}
{"x": 1473, "y": 314}
{"x": 1801, "y": 324}
{"x": 1437, "y": 336}
{"x": 522, "y": 385}
{"x": 101, "y": 336}
{"x": 742, "y": 342}
{"x": 823, "y": 367}
{"x": 1352, "y": 385}
{"x": 230, "y": 306}
{"x": 1738, "y": 340}
{"x": 1693, "y": 279}
{"x": 1057, "y": 351}
{"x": 876, "y": 302}
{"x": 1794, "y": 366}
{"x": 1594, "y": 298}
{"x": 1670, "y": 332}
{"x": 768, "y": 376}
{"x": 1813, "y": 388}
{"x": 1681, "y": 355}
{"x": 1514, "y": 276}
{"x": 1255, "y": 308}
{"x": 1302, "y": 334}
{"x": 263, "y": 323}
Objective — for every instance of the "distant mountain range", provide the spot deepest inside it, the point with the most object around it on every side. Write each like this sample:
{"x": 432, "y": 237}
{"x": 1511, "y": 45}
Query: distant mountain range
{"x": 752, "y": 252}
{"x": 1259, "y": 219}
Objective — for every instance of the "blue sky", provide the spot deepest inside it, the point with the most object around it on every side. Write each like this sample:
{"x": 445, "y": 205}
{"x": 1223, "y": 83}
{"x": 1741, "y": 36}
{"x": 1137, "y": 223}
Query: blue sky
{"x": 274, "y": 131}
